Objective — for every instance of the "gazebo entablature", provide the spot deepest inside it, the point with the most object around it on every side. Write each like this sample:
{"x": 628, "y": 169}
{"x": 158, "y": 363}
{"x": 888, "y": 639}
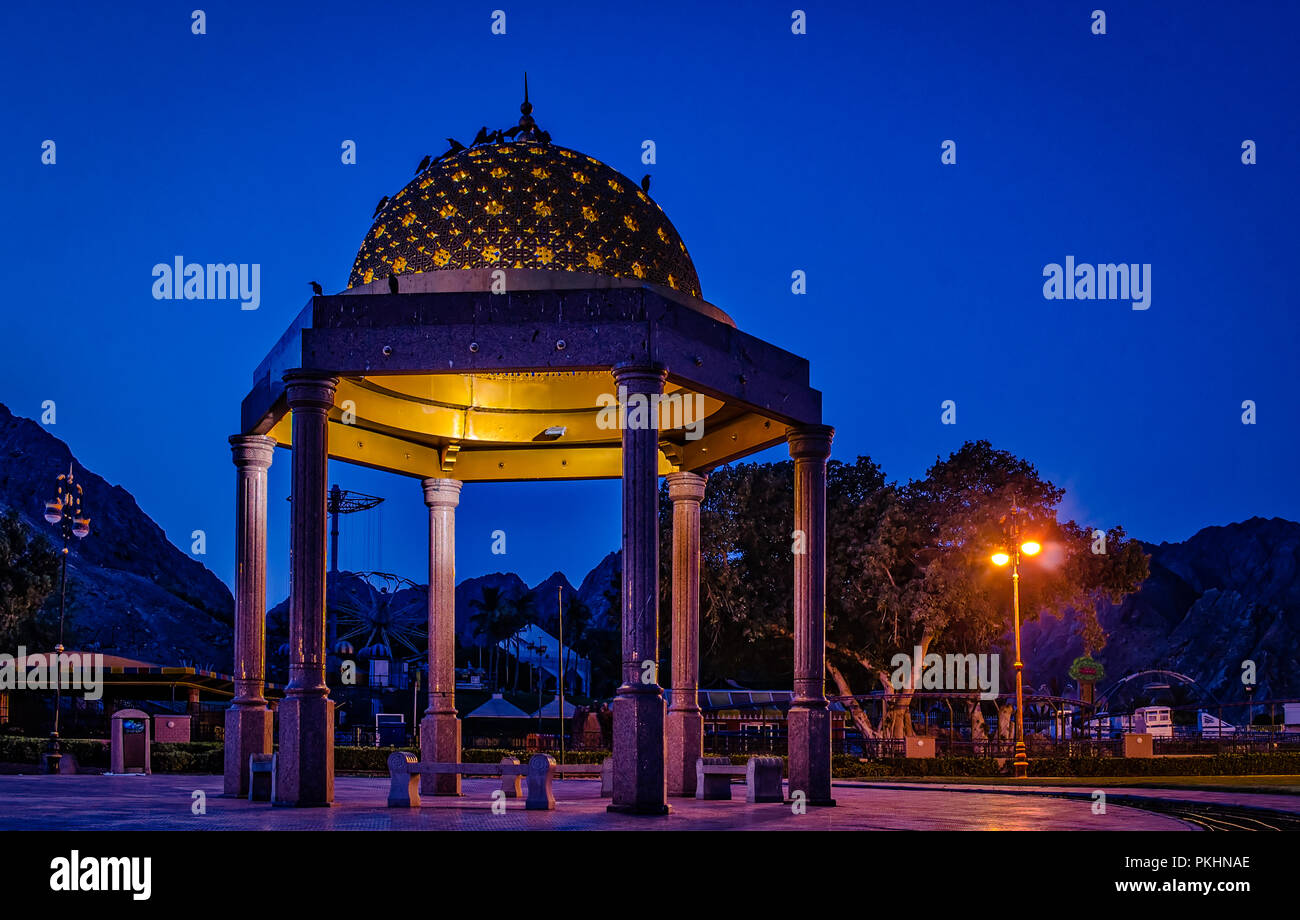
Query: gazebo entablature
{"x": 515, "y": 386}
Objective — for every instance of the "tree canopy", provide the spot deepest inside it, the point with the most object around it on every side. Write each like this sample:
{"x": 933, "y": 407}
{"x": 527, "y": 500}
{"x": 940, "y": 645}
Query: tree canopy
{"x": 907, "y": 565}
{"x": 29, "y": 572}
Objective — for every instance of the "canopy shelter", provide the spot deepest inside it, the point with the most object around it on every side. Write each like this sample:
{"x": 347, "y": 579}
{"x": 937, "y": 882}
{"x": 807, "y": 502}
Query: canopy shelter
{"x": 552, "y": 710}
{"x": 521, "y": 311}
{"x": 498, "y": 707}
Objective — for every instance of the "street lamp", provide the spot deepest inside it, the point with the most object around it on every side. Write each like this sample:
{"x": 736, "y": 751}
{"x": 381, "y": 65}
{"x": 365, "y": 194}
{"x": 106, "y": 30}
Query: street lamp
{"x": 1020, "y": 765}
{"x": 65, "y": 513}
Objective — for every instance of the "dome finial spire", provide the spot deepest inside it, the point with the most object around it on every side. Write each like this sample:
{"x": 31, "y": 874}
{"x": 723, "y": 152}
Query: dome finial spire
{"x": 527, "y": 125}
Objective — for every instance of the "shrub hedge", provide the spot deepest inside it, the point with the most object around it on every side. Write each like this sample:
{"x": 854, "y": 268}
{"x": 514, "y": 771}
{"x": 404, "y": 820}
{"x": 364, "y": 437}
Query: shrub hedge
{"x": 207, "y": 757}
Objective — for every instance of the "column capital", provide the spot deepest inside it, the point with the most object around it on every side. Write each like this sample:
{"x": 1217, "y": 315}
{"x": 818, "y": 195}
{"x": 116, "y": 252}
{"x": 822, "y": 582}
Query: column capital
{"x": 686, "y": 487}
{"x": 810, "y": 442}
{"x": 252, "y": 451}
{"x": 310, "y": 389}
{"x": 640, "y": 377}
{"x": 442, "y": 492}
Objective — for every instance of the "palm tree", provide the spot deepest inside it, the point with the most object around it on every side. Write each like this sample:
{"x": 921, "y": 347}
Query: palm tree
{"x": 492, "y": 612}
{"x": 524, "y": 614}
{"x": 577, "y": 617}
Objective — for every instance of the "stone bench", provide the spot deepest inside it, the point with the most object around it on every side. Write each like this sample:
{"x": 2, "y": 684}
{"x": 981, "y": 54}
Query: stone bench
{"x": 261, "y": 777}
{"x": 762, "y": 779}
{"x": 605, "y": 770}
{"x": 405, "y": 771}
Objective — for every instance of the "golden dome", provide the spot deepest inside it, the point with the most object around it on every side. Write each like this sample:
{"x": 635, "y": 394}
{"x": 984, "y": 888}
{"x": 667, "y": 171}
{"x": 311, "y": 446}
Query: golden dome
{"x": 525, "y": 204}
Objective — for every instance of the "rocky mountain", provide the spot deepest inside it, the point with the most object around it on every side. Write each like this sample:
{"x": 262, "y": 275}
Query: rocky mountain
{"x": 1225, "y": 596}
{"x": 366, "y": 614}
{"x": 600, "y": 580}
{"x": 130, "y": 591}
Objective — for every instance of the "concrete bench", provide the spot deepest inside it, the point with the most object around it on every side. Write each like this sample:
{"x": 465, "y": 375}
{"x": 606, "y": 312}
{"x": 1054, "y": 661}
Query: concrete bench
{"x": 405, "y": 771}
{"x": 762, "y": 779}
{"x": 605, "y": 770}
{"x": 261, "y": 777}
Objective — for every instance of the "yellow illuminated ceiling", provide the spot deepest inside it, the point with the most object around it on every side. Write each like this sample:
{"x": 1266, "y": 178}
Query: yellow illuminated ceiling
{"x": 512, "y": 426}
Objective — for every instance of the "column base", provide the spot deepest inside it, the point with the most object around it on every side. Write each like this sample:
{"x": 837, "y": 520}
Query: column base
{"x": 248, "y": 731}
{"x": 305, "y": 766}
{"x": 685, "y": 745}
{"x": 440, "y": 743}
{"x": 810, "y": 754}
{"x": 639, "y": 783}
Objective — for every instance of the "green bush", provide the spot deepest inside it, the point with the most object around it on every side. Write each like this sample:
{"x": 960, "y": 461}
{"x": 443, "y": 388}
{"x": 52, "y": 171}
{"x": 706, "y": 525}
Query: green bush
{"x": 88, "y": 751}
{"x": 188, "y": 757}
{"x": 192, "y": 757}
{"x": 1216, "y": 765}
{"x": 364, "y": 759}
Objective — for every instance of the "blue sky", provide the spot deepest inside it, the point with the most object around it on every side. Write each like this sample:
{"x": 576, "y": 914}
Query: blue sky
{"x": 776, "y": 152}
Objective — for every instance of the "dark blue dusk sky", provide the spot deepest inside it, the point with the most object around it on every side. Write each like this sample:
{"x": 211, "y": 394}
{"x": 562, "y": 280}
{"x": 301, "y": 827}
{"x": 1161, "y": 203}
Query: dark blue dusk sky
{"x": 776, "y": 152}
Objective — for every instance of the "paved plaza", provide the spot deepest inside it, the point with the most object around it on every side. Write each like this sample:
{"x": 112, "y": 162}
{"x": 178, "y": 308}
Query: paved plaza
{"x": 163, "y": 802}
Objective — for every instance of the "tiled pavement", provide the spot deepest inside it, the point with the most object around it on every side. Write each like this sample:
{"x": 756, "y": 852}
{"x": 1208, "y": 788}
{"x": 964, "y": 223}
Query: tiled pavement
{"x": 163, "y": 802}
{"x": 1277, "y": 802}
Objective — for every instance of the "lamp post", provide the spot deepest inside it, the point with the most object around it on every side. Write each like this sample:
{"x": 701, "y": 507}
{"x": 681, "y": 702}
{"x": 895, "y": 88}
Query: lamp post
{"x": 559, "y": 597}
{"x": 1020, "y": 764}
{"x": 65, "y": 513}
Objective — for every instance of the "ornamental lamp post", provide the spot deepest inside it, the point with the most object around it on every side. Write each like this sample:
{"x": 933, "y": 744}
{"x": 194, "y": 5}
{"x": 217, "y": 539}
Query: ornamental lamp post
{"x": 65, "y": 513}
{"x": 1020, "y": 764}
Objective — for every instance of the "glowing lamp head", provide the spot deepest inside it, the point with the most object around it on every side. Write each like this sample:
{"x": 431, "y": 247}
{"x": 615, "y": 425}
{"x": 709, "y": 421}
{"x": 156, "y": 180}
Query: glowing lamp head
{"x": 1030, "y": 549}
{"x": 1001, "y": 558}
{"x": 54, "y": 512}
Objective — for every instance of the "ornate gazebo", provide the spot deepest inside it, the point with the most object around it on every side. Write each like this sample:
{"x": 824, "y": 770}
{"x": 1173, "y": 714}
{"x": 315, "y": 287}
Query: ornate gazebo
{"x": 521, "y": 311}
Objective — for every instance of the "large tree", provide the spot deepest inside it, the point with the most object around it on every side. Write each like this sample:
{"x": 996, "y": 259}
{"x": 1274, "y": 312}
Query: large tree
{"x": 29, "y": 572}
{"x": 907, "y": 566}
{"x": 921, "y": 577}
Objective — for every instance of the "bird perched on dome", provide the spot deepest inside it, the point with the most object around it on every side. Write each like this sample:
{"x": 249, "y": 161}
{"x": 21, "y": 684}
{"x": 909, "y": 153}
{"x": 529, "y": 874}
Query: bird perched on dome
{"x": 316, "y": 288}
{"x": 456, "y": 147}
{"x": 645, "y": 183}
{"x": 424, "y": 164}
{"x": 379, "y": 207}
{"x": 481, "y": 137}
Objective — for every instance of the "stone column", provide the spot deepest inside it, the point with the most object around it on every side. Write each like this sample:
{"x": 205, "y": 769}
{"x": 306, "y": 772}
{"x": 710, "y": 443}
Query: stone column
{"x": 639, "y": 780}
{"x": 685, "y": 721}
{"x": 305, "y": 767}
{"x": 809, "y": 719}
{"x": 440, "y": 728}
{"x": 248, "y": 721}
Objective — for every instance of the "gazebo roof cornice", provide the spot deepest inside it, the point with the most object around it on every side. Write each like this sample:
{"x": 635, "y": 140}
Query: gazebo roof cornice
{"x": 465, "y": 384}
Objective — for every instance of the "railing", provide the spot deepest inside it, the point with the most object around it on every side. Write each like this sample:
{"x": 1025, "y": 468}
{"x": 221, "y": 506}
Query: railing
{"x": 1255, "y": 742}
{"x": 723, "y": 744}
